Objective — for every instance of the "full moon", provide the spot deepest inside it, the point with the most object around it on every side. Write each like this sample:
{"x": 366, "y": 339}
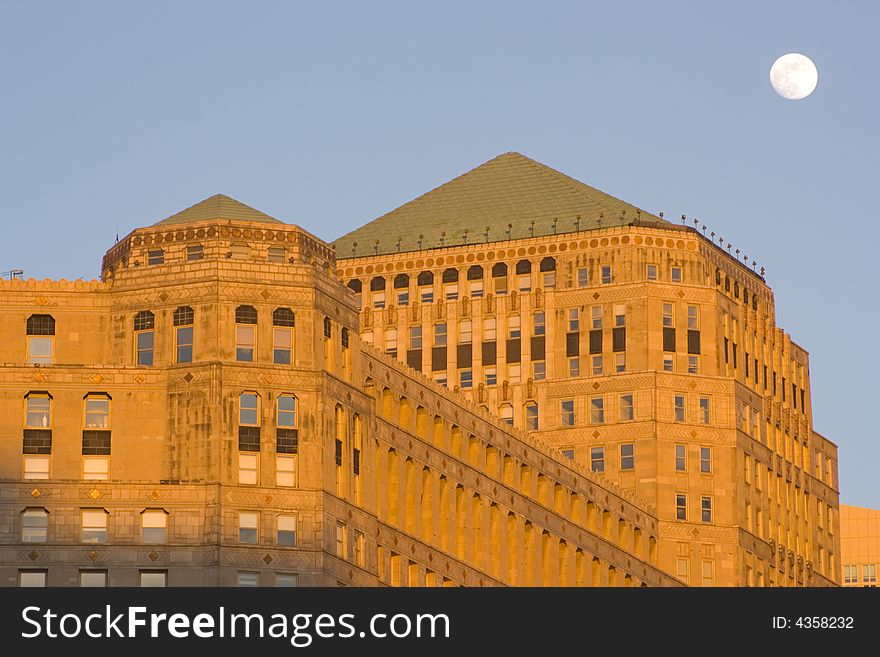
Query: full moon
{"x": 794, "y": 76}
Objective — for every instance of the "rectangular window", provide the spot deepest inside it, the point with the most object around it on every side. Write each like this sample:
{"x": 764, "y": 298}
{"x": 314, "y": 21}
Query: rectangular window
{"x": 489, "y": 329}
{"x": 491, "y": 376}
{"x": 285, "y": 470}
{"x": 668, "y": 317}
{"x": 693, "y": 318}
{"x": 247, "y": 527}
{"x": 651, "y": 272}
{"x": 606, "y": 275}
{"x": 678, "y": 406}
{"x": 153, "y": 579}
{"x": 850, "y": 574}
{"x": 391, "y": 341}
{"x": 869, "y": 573}
{"x": 524, "y": 283}
{"x": 597, "y": 459}
{"x": 500, "y": 283}
{"x": 596, "y": 365}
{"x": 415, "y": 337}
{"x": 680, "y": 458}
{"x": 248, "y": 579}
{"x": 549, "y": 280}
{"x": 465, "y": 331}
{"x": 34, "y": 526}
{"x": 38, "y": 412}
{"x": 341, "y": 540}
{"x": 195, "y": 252}
{"x": 247, "y": 469}
{"x": 708, "y": 573}
{"x": 476, "y": 289}
{"x": 427, "y": 294}
{"x": 573, "y": 320}
{"x": 676, "y": 274}
{"x": 466, "y": 378}
{"x": 31, "y": 578}
{"x": 568, "y": 412}
{"x": 693, "y": 364}
{"x": 513, "y": 327}
{"x": 403, "y": 298}
{"x": 681, "y": 569}
{"x": 539, "y": 370}
{"x": 96, "y": 468}
{"x": 619, "y": 316}
{"x": 440, "y": 378}
{"x": 513, "y": 372}
{"x": 440, "y": 334}
{"x": 668, "y": 362}
{"x": 620, "y": 362}
{"x": 538, "y": 324}
{"x": 379, "y": 299}
{"x": 705, "y": 410}
{"x": 41, "y": 350}
{"x": 681, "y": 512}
{"x": 184, "y": 338}
{"x": 94, "y": 526}
{"x": 287, "y": 531}
{"x": 706, "y": 509}
{"x": 451, "y": 291}
{"x": 568, "y": 453}
{"x": 626, "y": 408}
{"x": 154, "y": 526}
{"x": 705, "y": 459}
{"x": 597, "y": 410}
{"x": 627, "y": 456}
{"x": 283, "y": 342}
{"x": 596, "y": 318}
{"x": 245, "y": 341}
{"x": 92, "y": 578}
{"x": 583, "y": 277}
{"x": 144, "y": 346}
{"x": 155, "y": 257}
{"x": 531, "y": 417}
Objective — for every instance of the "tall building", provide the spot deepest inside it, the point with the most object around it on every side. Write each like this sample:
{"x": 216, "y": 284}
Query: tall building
{"x": 640, "y": 348}
{"x": 206, "y": 415}
{"x": 859, "y": 545}
{"x": 572, "y": 392}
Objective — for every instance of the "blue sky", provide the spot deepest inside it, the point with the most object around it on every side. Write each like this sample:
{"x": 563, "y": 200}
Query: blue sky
{"x": 329, "y": 114}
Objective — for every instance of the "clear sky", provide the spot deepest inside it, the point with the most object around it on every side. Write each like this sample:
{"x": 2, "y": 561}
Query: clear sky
{"x": 328, "y": 114}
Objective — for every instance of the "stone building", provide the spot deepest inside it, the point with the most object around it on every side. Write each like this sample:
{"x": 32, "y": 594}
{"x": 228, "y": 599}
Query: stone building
{"x": 560, "y": 390}
{"x": 859, "y": 545}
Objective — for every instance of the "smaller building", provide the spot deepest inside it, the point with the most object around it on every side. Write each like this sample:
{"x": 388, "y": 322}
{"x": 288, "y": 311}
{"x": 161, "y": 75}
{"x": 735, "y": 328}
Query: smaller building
{"x": 860, "y": 545}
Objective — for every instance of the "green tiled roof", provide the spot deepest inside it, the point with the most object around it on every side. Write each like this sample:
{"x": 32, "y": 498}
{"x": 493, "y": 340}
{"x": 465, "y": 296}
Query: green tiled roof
{"x": 218, "y": 206}
{"x": 508, "y": 197}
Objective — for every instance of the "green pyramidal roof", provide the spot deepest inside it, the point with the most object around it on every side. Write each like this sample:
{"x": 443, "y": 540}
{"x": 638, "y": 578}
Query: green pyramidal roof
{"x": 218, "y": 206}
{"x": 508, "y": 197}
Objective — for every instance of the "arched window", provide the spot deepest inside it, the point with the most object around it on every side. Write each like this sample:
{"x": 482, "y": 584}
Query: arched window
{"x": 377, "y": 289}
{"x": 282, "y": 335}
{"x": 144, "y": 325}
{"x": 40, "y": 339}
{"x": 548, "y": 272}
{"x": 401, "y": 287}
{"x": 450, "y": 284}
{"x": 401, "y": 280}
{"x": 548, "y": 264}
{"x": 524, "y": 267}
{"x": 475, "y": 281}
{"x": 245, "y": 333}
{"x": 426, "y": 287}
{"x": 357, "y": 287}
{"x": 531, "y": 416}
{"x": 183, "y": 320}
{"x": 524, "y": 276}
{"x": 499, "y": 278}
{"x": 426, "y": 278}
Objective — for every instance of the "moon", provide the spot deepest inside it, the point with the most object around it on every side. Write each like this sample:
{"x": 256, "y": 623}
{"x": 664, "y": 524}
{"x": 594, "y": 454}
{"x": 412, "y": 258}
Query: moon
{"x": 794, "y": 76}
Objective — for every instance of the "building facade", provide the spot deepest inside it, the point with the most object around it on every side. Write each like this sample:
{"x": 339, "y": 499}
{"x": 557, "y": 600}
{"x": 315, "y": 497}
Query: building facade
{"x": 513, "y": 380}
{"x": 206, "y": 415}
{"x": 639, "y": 348}
{"x": 859, "y": 545}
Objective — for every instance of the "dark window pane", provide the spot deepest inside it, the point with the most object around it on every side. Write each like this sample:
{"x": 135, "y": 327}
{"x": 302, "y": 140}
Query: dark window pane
{"x": 572, "y": 344}
{"x": 414, "y": 358}
{"x": 538, "y": 347}
{"x": 694, "y": 342}
{"x": 282, "y": 317}
{"x": 668, "y": 339}
{"x": 144, "y": 321}
{"x": 245, "y": 315}
{"x": 490, "y": 355}
{"x": 513, "y": 350}
{"x": 95, "y": 443}
{"x": 37, "y": 441}
{"x": 464, "y": 355}
{"x": 438, "y": 359}
{"x": 248, "y": 439}
{"x": 183, "y": 316}
{"x": 286, "y": 441}
{"x": 40, "y": 325}
{"x": 596, "y": 341}
{"x": 618, "y": 338}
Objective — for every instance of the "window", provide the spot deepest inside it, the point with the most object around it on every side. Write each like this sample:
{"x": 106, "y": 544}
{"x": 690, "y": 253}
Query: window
{"x": 40, "y": 331}
{"x": 513, "y": 372}
{"x": 596, "y": 318}
{"x": 401, "y": 289}
{"x": 31, "y": 578}
{"x": 286, "y": 580}
{"x": 287, "y": 531}
{"x": 651, "y": 272}
{"x": 440, "y": 334}
{"x": 619, "y": 316}
{"x": 144, "y": 325}
{"x": 681, "y": 569}
{"x": 153, "y": 579}
{"x": 247, "y": 527}
{"x": 356, "y": 286}
{"x": 94, "y": 526}
{"x": 195, "y": 252}
{"x": 850, "y": 574}
{"x": 708, "y": 573}
{"x": 154, "y": 526}
{"x": 96, "y": 468}
{"x": 360, "y": 556}
{"x": 34, "y": 526}
{"x": 275, "y": 254}
{"x": 491, "y": 376}
{"x": 627, "y": 456}
{"x": 706, "y": 509}
{"x": 583, "y": 277}
{"x": 377, "y": 291}
{"x": 668, "y": 362}
{"x": 524, "y": 276}
{"x": 538, "y": 326}
{"x": 573, "y": 320}
{"x": 597, "y": 459}
{"x": 705, "y": 459}
{"x": 539, "y": 370}
{"x": 248, "y": 579}
{"x": 620, "y": 362}
{"x": 92, "y": 578}
{"x": 568, "y": 453}
{"x": 475, "y": 281}
{"x": 285, "y": 470}
{"x": 676, "y": 274}
{"x": 548, "y": 271}
{"x": 693, "y": 318}
{"x": 489, "y": 329}
{"x": 626, "y": 408}
{"x": 680, "y": 458}
{"x": 36, "y": 467}
{"x": 282, "y": 336}
{"x": 245, "y": 333}
{"x": 426, "y": 286}
{"x": 531, "y": 416}
{"x": 499, "y": 278}
{"x": 440, "y": 378}
{"x": 869, "y": 573}
{"x": 183, "y": 320}
{"x": 97, "y": 412}
{"x": 513, "y": 327}
{"x": 574, "y": 367}
{"x": 681, "y": 506}
{"x": 415, "y": 337}
{"x": 606, "y": 275}
{"x": 597, "y": 410}
{"x": 693, "y": 364}
{"x": 465, "y": 331}
{"x": 466, "y": 378}
{"x": 341, "y": 540}
{"x": 678, "y": 406}
{"x": 568, "y": 412}
{"x": 155, "y": 257}
{"x": 705, "y": 410}
{"x": 450, "y": 284}
{"x": 668, "y": 315}
{"x": 596, "y": 365}
{"x": 248, "y": 469}
{"x": 391, "y": 341}
{"x": 506, "y": 414}
{"x": 248, "y": 406}
{"x": 38, "y": 411}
